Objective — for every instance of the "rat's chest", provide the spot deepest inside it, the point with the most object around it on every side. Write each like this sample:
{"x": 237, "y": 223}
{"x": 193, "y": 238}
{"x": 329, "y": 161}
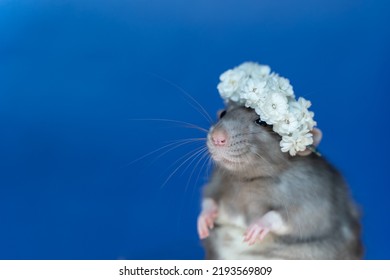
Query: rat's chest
{"x": 240, "y": 201}
{"x": 236, "y": 209}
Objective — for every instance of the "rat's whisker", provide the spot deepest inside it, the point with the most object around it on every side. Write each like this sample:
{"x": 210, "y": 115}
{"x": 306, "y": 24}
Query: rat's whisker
{"x": 194, "y": 158}
{"x": 209, "y": 165}
{"x": 194, "y": 139}
{"x": 176, "y": 144}
{"x": 194, "y": 153}
{"x": 197, "y": 106}
{"x": 184, "y": 124}
{"x": 190, "y": 154}
{"x": 179, "y": 144}
{"x": 208, "y": 162}
{"x": 200, "y": 157}
{"x": 151, "y": 153}
{"x": 205, "y": 158}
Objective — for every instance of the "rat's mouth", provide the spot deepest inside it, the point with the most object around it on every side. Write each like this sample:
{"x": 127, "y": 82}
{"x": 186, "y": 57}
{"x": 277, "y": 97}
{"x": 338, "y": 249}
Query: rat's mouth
{"x": 223, "y": 158}
{"x": 227, "y": 162}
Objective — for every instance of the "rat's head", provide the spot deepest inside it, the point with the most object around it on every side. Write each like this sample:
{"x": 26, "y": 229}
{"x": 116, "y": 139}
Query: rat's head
{"x": 243, "y": 144}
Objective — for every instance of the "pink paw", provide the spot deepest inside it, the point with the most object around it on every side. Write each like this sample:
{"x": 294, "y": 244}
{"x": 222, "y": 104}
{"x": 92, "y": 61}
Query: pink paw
{"x": 205, "y": 222}
{"x": 255, "y": 232}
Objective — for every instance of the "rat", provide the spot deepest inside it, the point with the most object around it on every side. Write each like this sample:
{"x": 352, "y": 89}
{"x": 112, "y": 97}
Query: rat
{"x": 262, "y": 203}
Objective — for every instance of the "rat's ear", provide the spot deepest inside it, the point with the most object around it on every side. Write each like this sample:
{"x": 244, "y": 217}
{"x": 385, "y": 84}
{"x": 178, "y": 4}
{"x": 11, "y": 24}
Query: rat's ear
{"x": 317, "y": 137}
{"x": 221, "y": 113}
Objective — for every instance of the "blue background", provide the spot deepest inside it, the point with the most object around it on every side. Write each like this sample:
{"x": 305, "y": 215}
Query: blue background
{"x": 74, "y": 76}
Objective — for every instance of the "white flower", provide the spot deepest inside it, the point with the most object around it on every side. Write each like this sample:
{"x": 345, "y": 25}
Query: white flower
{"x": 273, "y": 99}
{"x": 274, "y": 108}
{"x": 253, "y": 92}
{"x": 297, "y": 142}
{"x": 300, "y": 110}
{"x": 254, "y": 70}
{"x": 285, "y": 86}
{"x": 308, "y": 119}
{"x": 280, "y": 84}
{"x": 288, "y": 124}
{"x": 230, "y": 82}
{"x": 304, "y": 103}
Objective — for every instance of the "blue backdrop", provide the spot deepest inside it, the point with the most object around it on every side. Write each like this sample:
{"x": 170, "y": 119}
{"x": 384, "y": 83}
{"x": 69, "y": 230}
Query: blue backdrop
{"x": 75, "y": 76}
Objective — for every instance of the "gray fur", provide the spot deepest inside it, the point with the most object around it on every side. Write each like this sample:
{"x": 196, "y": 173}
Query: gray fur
{"x": 309, "y": 194}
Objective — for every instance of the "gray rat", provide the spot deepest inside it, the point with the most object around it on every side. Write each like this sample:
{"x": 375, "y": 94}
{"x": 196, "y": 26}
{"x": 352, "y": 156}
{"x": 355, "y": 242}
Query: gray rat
{"x": 262, "y": 203}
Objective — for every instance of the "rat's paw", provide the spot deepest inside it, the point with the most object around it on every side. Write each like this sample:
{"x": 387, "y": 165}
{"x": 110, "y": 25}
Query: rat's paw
{"x": 256, "y": 231}
{"x": 271, "y": 221}
{"x": 207, "y": 217}
{"x": 206, "y": 222}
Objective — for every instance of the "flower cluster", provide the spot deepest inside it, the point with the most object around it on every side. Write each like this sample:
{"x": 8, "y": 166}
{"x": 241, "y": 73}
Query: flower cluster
{"x": 273, "y": 99}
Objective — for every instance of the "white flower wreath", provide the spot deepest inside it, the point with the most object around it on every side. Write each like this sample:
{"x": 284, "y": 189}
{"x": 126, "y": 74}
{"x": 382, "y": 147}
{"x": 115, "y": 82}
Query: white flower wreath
{"x": 273, "y": 99}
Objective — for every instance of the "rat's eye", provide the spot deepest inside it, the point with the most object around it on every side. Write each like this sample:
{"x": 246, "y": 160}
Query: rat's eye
{"x": 260, "y": 122}
{"x": 222, "y": 114}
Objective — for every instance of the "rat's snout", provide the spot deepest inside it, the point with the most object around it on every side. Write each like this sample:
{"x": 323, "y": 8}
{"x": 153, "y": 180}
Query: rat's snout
{"x": 219, "y": 137}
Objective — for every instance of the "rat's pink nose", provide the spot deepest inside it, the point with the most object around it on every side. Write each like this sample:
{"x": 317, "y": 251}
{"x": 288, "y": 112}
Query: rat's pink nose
{"x": 219, "y": 138}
